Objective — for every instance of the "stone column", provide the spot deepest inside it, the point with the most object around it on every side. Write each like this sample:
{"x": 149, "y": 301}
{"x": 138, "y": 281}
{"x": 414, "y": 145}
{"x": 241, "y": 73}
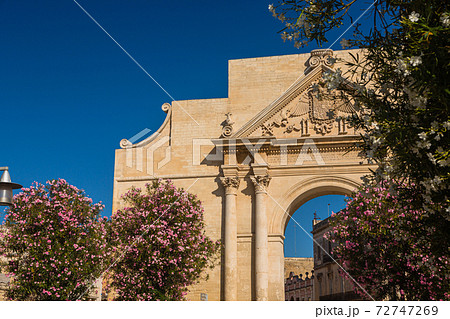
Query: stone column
{"x": 231, "y": 185}
{"x": 261, "y": 245}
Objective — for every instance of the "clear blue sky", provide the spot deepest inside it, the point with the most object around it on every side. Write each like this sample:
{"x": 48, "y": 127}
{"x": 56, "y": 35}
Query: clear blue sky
{"x": 68, "y": 94}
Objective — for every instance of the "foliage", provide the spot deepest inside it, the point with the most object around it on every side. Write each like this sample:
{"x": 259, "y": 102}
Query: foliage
{"x": 160, "y": 244}
{"x": 381, "y": 242}
{"x": 55, "y": 242}
{"x": 400, "y": 81}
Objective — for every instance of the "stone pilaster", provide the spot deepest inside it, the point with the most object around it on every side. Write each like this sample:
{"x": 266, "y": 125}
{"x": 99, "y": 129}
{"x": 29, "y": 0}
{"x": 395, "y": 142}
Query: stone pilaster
{"x": 231, "y": 185}
{"x": 260, "y": 183}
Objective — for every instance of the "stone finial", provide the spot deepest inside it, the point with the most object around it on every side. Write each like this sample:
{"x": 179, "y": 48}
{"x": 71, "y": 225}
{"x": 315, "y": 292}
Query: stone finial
{"x": 227, "y": 129}
{"x": 124, "y": 143}
{"x": 166, "y": 107}
{"x": 321, "y": 56}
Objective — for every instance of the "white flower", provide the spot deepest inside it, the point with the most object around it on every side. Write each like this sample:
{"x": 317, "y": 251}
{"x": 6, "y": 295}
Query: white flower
{"x": 344, "y": 43}
{"x": 445, "y": 19}
{"x": 423, "y": 144}
{"x": 414, "y": 16}
{"x": 422, "y": 135}
{"x": 437, "y": 180}
{"x": 418, "y": 101}
{"x": 333, "y": 79}
{"x": 402, "y": 67}
{"x": 331, "y": 60}
{"x": 311, "y": 8}
{"x": 431, "y": 158}
{"x": 300, "y": 21}
{"x": 375, "y": 126}
{"x": 271, "y": 9}
{"x": 427, "y": 184}
{"x": 416, "y": 60}
{"x": 447, "y": 125}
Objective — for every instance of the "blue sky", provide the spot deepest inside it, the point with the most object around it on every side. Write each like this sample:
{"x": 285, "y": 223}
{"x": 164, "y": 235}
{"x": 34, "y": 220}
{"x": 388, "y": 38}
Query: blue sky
{"x": 298, "y": 241}
{"x": 68, "y": 94}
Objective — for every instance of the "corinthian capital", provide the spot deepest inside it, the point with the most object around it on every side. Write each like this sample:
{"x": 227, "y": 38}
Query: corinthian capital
{"x": 231, "y": 184}
{"x": 260, "y": 182}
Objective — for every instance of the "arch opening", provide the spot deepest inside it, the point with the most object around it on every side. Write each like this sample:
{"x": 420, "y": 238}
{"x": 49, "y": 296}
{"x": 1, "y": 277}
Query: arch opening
{"x": 295, "y": 224}
{"x": 299, "y": 248}
{"x": 299, "y": 225}
{"x": 312, "y": 196}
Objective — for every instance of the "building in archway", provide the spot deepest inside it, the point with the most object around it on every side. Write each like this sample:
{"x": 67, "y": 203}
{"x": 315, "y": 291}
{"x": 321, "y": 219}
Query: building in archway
{"x": 297, "y": 265}
{"x": 299, "y": 287}
{"x": 328, "y": 283}
{"x": 253, "y": 159}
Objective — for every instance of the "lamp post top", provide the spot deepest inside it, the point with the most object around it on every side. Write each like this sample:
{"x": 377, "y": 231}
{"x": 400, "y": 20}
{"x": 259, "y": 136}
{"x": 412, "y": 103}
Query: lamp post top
{"x": 6, "y": 188}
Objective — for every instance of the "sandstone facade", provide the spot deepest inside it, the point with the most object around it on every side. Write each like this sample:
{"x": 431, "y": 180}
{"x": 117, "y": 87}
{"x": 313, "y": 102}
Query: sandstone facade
{"x": 253, "y": 159}
{"x": 297, "y": 265}
{"x": 328, "y": 282}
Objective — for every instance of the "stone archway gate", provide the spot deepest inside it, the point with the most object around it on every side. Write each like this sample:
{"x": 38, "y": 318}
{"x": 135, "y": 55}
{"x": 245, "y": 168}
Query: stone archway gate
{"x": 252, "y": 159}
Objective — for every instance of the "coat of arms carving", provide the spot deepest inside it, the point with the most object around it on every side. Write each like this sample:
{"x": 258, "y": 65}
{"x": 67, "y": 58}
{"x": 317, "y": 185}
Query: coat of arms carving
{"x": 315, "y": 109}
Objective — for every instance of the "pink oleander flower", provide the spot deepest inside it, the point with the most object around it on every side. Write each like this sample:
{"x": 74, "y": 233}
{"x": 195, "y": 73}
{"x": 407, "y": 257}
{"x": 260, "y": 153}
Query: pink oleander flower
{"x": 170, "y": 251}
{"x": 383, "y": 243}
{"x": 53, "y": 217}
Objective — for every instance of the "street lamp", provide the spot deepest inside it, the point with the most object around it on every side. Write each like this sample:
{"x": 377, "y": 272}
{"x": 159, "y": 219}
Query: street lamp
{"x": 6, "y": 188}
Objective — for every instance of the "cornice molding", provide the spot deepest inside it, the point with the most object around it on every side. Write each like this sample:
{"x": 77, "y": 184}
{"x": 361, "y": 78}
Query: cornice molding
{"x": 167, "y": 108}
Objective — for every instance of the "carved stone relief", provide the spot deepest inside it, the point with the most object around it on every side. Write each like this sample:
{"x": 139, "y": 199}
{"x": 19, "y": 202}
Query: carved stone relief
{"x": 227, "y": 128}
{"x": 231, "y": 184}
{"x": 315, "y": 109}
{"x": 260, "y": 182}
